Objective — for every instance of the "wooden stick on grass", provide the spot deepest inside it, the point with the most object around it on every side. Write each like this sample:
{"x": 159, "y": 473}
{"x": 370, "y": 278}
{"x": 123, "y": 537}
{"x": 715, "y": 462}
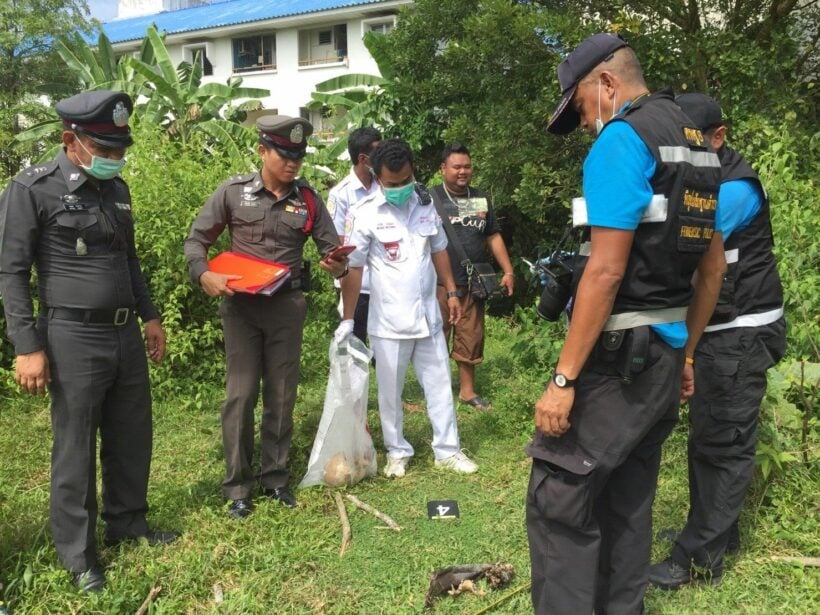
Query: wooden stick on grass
{"x": 378, "y": 514}
{"x": 345, "y": 524}
{"x": 148, "y": 600}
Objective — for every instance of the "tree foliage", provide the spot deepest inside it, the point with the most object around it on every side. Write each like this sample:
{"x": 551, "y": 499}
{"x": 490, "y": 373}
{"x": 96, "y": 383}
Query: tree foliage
{"x": 28, "y": 65}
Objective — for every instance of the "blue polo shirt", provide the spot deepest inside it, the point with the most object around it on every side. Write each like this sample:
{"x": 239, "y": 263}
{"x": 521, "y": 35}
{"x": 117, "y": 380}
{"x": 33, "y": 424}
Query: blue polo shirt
{"x": 739, "y": 201}
{"x": 617, "y": 172}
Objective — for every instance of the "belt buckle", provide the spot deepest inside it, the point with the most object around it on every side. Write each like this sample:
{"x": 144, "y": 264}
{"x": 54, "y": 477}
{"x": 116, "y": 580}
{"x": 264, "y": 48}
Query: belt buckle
{"x": 121, "y": 316}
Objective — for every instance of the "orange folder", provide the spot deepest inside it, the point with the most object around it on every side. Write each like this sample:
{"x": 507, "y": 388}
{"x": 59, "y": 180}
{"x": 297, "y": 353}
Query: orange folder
{"x": 259, "y": 276}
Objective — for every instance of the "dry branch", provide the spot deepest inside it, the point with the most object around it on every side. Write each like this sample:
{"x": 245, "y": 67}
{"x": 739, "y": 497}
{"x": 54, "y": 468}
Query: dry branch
{"x": 345, "y": 524}
{"x": 148, "y": 600}
{"x": 376, "y": 513}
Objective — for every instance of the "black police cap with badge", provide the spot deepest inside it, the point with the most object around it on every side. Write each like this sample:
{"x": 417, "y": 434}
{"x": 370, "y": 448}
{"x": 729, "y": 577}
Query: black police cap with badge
{"x": 701, "y": 109}
{"x": 287, "y": 135}
{"x": 577, "y": 65}
{"x": 101, "y": 115}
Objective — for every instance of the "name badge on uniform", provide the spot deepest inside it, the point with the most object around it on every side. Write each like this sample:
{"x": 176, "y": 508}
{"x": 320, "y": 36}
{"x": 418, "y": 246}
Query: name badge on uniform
{"x": 71, "y": 202}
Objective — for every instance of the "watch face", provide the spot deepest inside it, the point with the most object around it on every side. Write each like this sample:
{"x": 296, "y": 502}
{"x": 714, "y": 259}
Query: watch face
{"x": 560, "y": 380}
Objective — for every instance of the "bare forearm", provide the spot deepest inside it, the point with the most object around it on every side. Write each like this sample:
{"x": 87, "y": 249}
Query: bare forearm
{"x": 707, "y": 282}
{"x": 441, "y": 262}
{"x": 499, "y": 251}
{"x": 351, "y": 286}
{"x": 592, "y": 306}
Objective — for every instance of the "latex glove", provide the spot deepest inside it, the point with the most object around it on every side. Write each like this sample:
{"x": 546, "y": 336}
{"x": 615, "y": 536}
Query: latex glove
{"x": 344, "y": 329}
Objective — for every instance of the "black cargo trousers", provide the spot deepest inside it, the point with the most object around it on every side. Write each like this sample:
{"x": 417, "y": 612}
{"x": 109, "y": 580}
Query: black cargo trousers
{"x": 589, "y": 500}
{"x": 730, "y": 382}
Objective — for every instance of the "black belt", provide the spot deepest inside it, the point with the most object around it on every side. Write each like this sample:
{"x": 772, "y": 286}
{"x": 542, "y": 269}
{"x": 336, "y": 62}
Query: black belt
{"x": 116, "y": 316}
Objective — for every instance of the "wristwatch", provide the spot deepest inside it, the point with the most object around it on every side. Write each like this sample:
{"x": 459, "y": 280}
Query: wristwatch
{"x": 344, "y": 273}
{"x": 452, "y": 293}
{"x": 562, "y": 382}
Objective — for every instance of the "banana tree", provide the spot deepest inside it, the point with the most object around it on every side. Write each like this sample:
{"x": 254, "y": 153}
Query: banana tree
{"x": 171, "y": 97}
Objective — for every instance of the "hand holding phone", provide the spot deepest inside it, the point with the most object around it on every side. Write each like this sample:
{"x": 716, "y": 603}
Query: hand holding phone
{"x": 340, "y": 253}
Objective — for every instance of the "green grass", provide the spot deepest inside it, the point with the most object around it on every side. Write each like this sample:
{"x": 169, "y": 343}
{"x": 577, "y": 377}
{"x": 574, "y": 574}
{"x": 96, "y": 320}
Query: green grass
{"x": 287, "y": 561}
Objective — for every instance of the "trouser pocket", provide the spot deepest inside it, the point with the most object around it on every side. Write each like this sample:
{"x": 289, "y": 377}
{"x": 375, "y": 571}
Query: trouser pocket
{"x": 560, "y": 495}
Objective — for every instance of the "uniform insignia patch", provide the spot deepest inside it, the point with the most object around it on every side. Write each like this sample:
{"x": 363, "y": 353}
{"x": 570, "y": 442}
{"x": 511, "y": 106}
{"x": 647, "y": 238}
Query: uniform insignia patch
{"x": 348, "y": 226}
{"x": 69, "y": 198}
{"x": 294, "y": 209}
{"x": 331, "y": 204}
{"x": 297, "y": 133}
{"x": 36, "y": 171}
{"x": 123, "y": 206}
{"x": 392, "y": 249}
{"x": 73, "y": 177}
{"x": 120, "y": 115}
{"x": 693, "y": 136}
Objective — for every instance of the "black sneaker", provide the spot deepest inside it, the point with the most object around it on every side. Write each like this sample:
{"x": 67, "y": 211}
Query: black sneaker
{"x": 281, "y": 494}
{"x": 152, "y": 537}
{"x": 670, "y": 575}
{"x": 89, "y": 581}
{"x": 240, "y": 508}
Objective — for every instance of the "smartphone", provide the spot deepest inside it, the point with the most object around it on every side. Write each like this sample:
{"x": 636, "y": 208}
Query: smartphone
{"x": 338, "y": 253}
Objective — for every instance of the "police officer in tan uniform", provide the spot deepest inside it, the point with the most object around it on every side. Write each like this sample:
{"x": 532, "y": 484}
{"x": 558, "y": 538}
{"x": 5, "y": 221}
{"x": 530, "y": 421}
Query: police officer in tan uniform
{"x": 71, "y": 219}
{"x": 270, "y": 214}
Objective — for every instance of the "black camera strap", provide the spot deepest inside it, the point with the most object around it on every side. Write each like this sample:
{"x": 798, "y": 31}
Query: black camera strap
{"x": 464, "y": 260}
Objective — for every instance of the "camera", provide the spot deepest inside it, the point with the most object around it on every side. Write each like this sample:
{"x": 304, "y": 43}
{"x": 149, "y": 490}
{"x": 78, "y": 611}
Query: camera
{"x": 555, "y": 273}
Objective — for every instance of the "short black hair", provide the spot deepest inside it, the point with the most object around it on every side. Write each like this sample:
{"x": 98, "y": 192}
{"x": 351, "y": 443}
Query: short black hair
{"x": 360, "y": 141}
{"x": 454, "y": 148}
{"x": 393, "y": 154}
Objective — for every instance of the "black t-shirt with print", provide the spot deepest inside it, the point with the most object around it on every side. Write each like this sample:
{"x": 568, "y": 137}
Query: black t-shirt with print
{"x": 473, "y": 221}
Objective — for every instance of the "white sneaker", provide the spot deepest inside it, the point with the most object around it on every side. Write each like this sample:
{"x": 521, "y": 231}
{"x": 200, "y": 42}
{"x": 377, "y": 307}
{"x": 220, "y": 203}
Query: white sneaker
{"x": 396, "y": 467}
{"x": 458, "y": 463}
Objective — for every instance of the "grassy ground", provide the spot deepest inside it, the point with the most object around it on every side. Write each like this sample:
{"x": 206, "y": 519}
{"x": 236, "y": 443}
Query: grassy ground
{"x": 286, "y": 561}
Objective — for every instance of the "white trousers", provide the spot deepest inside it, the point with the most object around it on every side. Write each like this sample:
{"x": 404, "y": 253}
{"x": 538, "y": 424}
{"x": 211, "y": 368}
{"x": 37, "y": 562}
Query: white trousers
{"x": 431, "y": 362}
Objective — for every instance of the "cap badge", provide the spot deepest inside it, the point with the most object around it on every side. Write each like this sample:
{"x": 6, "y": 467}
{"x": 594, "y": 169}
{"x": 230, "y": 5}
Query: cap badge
{"x": 120, "y": 115}
{"x": 297, "y": 134}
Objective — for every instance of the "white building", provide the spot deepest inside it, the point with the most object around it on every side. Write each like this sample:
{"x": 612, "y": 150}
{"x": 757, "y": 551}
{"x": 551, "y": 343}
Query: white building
{"x": 285, "y": 46}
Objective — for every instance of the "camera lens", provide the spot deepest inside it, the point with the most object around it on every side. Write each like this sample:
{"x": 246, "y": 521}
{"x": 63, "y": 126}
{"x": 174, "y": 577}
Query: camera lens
{"x": 554, "y": 298}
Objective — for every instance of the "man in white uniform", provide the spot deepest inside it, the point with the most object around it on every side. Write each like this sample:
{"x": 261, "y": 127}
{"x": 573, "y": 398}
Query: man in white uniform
{"x": 358, "y": 184}
{"x": 398, "y": 235}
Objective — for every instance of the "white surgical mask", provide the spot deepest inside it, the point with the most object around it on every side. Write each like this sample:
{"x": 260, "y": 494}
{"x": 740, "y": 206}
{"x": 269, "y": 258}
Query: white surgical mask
{"x": 599, "y": 124}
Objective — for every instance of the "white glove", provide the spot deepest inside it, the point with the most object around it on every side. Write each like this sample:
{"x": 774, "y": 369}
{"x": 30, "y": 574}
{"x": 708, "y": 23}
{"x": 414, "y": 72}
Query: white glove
{"x": 344, "y": 329}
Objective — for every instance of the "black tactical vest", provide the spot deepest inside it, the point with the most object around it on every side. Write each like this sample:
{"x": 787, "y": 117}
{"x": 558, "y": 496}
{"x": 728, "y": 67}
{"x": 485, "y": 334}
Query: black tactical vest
{"x": 752, "y": 284}
{"x": 665, "y": 254}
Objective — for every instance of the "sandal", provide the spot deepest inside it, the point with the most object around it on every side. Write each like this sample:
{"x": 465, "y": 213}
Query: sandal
{"x": 477, "y": 402}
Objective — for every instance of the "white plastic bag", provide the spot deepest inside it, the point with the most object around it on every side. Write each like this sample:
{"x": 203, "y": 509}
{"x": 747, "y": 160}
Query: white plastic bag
{"x": 343, "y": 451}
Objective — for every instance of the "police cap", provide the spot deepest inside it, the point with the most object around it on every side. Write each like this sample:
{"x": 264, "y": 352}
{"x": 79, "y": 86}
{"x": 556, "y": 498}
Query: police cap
{"x": 701, "y": 109}
{"x": 99, "y": 114}
{"x": 287, "y": 135}
{"x": 577, "y": 65}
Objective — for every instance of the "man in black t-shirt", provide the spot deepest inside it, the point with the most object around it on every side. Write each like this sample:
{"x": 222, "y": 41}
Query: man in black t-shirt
{"x": 473, "y": 220}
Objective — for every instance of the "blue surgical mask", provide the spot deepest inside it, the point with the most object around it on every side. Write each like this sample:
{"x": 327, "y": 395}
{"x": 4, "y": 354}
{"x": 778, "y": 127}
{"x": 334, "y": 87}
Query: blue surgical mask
{"x": 398, "y": 197}
{"x": 101, "y": 167}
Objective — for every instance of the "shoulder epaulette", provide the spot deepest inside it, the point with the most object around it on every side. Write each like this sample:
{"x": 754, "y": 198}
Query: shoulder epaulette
{"x": 34, "y": 174}
{"x": 240, "y": 179}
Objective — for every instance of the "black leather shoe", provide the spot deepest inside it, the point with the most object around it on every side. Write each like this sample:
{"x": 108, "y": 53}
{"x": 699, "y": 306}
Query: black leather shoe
{"x": 281, "y": 494}
{"x": 668, "y": 574}
{"x": 92, "y": 580}
{"x": 152, "y": 537}
{"x": 241, "y": 508}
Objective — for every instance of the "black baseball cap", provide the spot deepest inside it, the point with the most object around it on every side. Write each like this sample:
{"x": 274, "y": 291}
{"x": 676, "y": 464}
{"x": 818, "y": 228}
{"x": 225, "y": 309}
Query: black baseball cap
{"x": 101, "y": 115}
{"x": 703, "y": 110}
{"x": 287, "y": 135}
{"x": 577, "y": 65}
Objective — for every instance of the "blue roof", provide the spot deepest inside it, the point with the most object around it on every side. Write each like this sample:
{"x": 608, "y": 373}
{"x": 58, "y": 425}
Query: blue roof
{"x": 219, "y": 14}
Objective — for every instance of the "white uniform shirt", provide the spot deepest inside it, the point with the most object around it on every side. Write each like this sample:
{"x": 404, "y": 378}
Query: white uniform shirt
{"x": 396, "y": 243}
{"x": 342, "y": 197}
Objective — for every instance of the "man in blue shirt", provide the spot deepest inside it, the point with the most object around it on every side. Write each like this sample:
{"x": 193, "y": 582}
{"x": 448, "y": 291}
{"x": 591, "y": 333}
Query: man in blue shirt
{"x": 746, "y": 335}
{"x": 650, "y": 187}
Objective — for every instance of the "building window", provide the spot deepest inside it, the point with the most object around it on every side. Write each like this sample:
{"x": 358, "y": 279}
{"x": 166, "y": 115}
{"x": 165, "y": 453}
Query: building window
{"x": 254, "y": 53}
{"x": 381, "y": 25}
{"x": 199, "y": 53}
{"x": 326, "y": 45}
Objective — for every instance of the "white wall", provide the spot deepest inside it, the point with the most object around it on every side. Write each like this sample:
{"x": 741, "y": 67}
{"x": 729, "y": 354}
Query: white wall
{"x": 290, "y": 85}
